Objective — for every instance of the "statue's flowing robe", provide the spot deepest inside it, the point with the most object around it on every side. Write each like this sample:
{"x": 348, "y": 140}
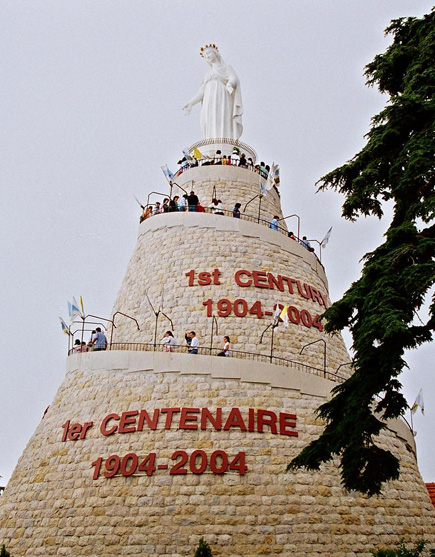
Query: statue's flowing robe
{"x": 221, "y": 113}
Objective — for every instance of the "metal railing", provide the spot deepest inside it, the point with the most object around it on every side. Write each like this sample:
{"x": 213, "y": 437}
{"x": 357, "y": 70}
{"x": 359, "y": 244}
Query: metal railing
{"x": 238, "y": 354}
{"x": 224, "y": 141}
{"x": 217, "y": 162}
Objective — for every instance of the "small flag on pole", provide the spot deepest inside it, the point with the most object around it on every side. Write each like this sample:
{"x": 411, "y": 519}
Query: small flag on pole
{"x": 273, "y": 178}
{"x": 81, "y": 305}
{"x": 276, "y": 175}
{"x": 76, "y": 304}
{"x": 326, "y": 238}
{"x": 64, "y": 326}
{"x": 197, "y": 153}
{"x": 73, "y": 310}
{"x": 284, "y": 315}
{"x": 276, "y": 315}
{"x": 138, "y": 202}
{"x": 418, "y": 402}
{"x": 167, "y": 173}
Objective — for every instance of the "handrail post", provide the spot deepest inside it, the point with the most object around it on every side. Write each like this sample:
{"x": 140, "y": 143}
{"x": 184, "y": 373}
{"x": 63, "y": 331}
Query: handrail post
{"x": 324, "y": 352}
{"x": 298, "y": 221}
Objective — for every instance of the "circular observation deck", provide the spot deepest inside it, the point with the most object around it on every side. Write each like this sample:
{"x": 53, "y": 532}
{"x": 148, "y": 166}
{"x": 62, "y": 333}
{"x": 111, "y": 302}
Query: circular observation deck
{"x": 209, "y": 147}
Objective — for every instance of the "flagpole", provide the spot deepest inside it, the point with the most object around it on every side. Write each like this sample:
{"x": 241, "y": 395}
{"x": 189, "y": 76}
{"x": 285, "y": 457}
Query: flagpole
{"x": 259, "y": 211}
{"x": 271, "y": 344}
{"x": 213, "y": 321}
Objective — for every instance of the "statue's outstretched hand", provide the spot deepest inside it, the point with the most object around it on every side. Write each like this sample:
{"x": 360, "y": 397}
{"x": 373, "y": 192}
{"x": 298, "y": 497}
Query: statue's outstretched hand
{"x": 187, "y": 108}
{"x": 230, "y": 89}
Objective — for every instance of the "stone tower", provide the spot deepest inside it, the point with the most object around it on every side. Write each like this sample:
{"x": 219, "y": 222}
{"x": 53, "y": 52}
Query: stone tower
{"x": 143, "y": 452}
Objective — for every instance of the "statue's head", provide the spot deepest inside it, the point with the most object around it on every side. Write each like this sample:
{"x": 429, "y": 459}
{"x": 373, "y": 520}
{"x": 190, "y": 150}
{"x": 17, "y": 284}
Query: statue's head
{"x": 210, "y": 53}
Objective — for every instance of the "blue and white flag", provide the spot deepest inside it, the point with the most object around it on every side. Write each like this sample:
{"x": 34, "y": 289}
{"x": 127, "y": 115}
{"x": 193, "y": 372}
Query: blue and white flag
{"x": 168, "y": 174}
{"x": 326, "y": 238}
{"x": 73, "y": 310}
{"x": 275, "y": 172}
{"x": 64, "y": 326}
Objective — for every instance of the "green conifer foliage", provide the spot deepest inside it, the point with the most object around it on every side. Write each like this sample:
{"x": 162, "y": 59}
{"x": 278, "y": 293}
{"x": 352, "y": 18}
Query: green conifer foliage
{"x": 402, "y": 551}
{"x": 3, "y": 552}
{"x": 380, "y": 309}
{"x": 203, "y": 549}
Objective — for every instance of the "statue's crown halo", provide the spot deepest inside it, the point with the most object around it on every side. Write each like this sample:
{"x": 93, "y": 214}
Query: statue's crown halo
{"x": 204, "y": 48}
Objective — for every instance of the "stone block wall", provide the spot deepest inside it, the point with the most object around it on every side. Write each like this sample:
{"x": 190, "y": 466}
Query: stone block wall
{"x": 170, "y": 245}
{"x": 53, "y": 506}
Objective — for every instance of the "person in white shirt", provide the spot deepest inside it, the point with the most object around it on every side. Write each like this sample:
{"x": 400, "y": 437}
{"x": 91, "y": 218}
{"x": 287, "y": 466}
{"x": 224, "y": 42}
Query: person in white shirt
{"x": 219, "y": 209}
{"x": 213, "y": 205}
{"x": 235, "y": 158}
{"x": 226, "y": 348}
{"x": 194, "y": 343}
{"x": 168, "y": 341}
{"x": 182, "y": 204}
{"x": 216, "y": 207}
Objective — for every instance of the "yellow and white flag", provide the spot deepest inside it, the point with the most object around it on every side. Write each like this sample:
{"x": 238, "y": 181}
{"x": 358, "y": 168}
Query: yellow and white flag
{"x": 197, "y": 153}
{"x": 284, "y": 315}
{"x": 418, "y": 402}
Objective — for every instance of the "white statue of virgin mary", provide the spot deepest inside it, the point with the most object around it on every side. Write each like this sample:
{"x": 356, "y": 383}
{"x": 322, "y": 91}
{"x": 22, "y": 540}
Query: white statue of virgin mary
{"x": 221, "y": 98}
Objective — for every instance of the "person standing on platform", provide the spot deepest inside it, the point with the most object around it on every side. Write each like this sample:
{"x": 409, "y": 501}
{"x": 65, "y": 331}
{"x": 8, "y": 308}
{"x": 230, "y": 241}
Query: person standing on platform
{"x": 213, "y": 205}
{"x": 99, "y": 340}
{"x": 274, "y": 223}
{"x": 219, "y": 209}
{"x": 226, "y": 348}
{"x": 192, "y": 201}
{"x": 194, "y": 343}
{"x": 80, "y": 346}
{"x": 168, "y": 341}
{"x": 173, "y": 204}
{"x": 236, "y": 211}
{"x": 182, "y": 204}
{"x": 305, "y": 243}
{"x": 235, "y": 157}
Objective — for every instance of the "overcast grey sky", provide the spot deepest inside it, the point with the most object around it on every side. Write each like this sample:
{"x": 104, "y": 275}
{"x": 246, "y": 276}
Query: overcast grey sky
{"x": 90, "y": 105}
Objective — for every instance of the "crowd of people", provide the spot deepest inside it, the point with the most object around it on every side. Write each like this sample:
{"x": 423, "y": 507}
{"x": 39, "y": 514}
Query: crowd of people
{"x": 97, "y": 342}
{"x": 191, "y": 343}
{"x": 191, "y": 202}
{"x": 187, "y": 202}
{"x": 236, "y": 158}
